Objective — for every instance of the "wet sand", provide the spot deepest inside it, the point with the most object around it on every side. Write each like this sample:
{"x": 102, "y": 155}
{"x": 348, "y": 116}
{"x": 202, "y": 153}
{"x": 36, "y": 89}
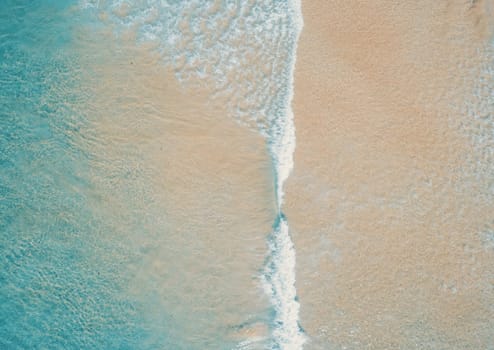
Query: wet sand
{"x": 203, "y": 185}
{"x": 388, "y": 216}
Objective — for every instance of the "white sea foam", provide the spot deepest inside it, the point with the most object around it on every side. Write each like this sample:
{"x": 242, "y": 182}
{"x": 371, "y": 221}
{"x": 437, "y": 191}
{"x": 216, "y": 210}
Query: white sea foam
{"x": 240, "y": 49}
{"x": 279, "y": 283}
{"x": 279, "y": 278}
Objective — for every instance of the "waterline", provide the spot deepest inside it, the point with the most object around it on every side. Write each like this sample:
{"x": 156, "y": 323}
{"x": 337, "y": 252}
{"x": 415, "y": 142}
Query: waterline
{"x": 279, "y": 273}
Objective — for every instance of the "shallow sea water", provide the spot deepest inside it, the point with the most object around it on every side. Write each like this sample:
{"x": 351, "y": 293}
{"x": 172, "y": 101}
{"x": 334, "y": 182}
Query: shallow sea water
{"x": 137, "y": 177}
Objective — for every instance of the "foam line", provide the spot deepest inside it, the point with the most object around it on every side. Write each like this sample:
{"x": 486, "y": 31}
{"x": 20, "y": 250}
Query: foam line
{"x": 279, "y": 273}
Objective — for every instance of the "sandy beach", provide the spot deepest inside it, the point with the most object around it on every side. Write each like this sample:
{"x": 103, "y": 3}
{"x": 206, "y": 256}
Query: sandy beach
{"x": 388, "y": 215}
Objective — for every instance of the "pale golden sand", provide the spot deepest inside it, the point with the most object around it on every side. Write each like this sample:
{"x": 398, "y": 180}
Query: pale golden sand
{"x": 386, "y": 215}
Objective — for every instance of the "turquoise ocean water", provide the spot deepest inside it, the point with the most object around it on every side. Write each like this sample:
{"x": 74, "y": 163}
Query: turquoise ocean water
{"x": 71, "y": 258}
{"x": 57, "y": 290}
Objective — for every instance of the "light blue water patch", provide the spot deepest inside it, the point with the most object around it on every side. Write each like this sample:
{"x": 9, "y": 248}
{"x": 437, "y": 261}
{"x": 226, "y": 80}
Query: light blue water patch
{"x": 63, "y": 268}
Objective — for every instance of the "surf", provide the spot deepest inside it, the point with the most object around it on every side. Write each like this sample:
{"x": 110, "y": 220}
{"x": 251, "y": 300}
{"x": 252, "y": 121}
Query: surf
{"x": 245, "y": 52}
